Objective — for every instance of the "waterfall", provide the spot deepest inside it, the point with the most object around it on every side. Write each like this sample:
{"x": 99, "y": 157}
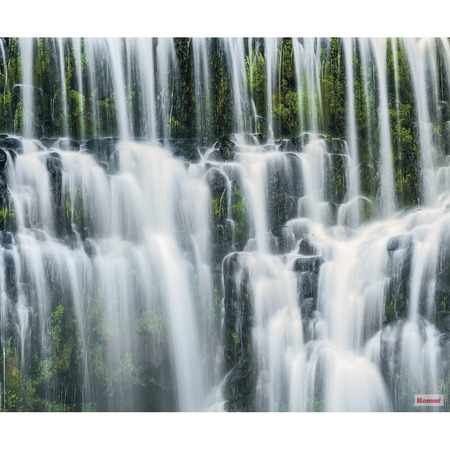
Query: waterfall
{"x": 224, "y": 224}
{"x": 26, "y": 45}
{"x": 202, "y": 85}
{"x": 387, "y": 185}
{"x": 353, "y": 150}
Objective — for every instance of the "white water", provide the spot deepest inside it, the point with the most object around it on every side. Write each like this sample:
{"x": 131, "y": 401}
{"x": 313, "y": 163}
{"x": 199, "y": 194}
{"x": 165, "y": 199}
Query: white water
{"x": 417, "y": 56}
{"x": 62, "y": 73}
{"x": 27, "y": 87}
{"x": 79, "y": 68}
{"x": 353, "y": 150}
{"x": 202, "y": 85}
{"x": 387, "y": 200}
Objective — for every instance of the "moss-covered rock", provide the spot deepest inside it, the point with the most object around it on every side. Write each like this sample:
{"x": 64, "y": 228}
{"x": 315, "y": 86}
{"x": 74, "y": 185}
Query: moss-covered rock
{"x": 240, "y": 381}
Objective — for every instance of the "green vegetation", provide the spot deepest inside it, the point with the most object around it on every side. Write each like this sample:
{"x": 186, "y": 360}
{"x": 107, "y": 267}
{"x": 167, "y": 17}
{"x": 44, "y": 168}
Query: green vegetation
{"x": 333, "y": 90}
{"x": 240, "y": 215}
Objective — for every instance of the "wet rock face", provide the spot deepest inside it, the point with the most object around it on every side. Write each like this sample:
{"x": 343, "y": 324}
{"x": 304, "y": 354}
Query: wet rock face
{"x": 105, "y": 152}
{"x": 221, "y": 229}
{"x": 308, "y": 264}
{"x": 3, "y": 181}
{"x": 185, "y": 149}
{"x": 307, "y": 247}
{"x": 284, "y": 187}
{"x": 3, "y": 158}
{"x": 11, "y": 143}
{"x": 400, "y": 250}
{"x": 227, "y": 149}
{"x": 240, "y": 381}
{"x": 54, "y": 168}
{"x": 336, "y": 182}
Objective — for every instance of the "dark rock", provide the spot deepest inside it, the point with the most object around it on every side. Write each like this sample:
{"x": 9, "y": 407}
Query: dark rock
{"x": 442, "y": 297}
{"x": 308, "y": 264}
{"x": 227, "y": 150}
{"x": 307, "y": 307}
{"x": 3, "y": 158}
{"x": 337, "y": 146}
{"x": 307, "y": 247}
{"x": 299, "y": 142}
{"x": 444, "y": 342}
{"x": 89, "y": 248}
{"x": 217, "y": 181}
{"x": 286, "y": 145}
{"x": 214, "y": 156}
{"x": 12, "y": 143}
{"x": 6, "y": 238}
{"x": 186, "y": 149}
{"x": 222, "y": 228}
{"x": 9, "y": 271}
{"x": 54, "y": 165}
{"x": 284, "y": 185}
{"x": 240, "y": 383}
{"x": 307, "y": 284}
{"x": 335, "y": 178}
{"x": 294, "y": 178}
{"x": 105, "y": 152}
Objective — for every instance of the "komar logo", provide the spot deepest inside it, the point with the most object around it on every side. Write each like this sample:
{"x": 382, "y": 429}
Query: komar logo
{"x": 429, "y": 400}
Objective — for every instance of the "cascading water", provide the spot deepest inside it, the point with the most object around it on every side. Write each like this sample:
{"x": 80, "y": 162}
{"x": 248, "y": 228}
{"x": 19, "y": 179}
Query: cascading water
{"x": 224, "y": 224}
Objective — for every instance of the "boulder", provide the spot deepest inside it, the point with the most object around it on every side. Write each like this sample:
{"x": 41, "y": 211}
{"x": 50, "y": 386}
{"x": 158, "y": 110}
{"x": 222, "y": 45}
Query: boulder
{"x": 105, "y": 152}
{"x": 308, "y": 264}
{"x": 3, "y": 158}
{"x": 227, "y": 150}
{"x": 307, "y": 247}
{"x": 186, "y": 149}
{"x": 11, "y": 143}
{"x": 6, "y": 239}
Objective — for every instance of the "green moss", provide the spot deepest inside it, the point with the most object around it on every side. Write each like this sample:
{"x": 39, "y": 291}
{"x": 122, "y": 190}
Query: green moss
{"x": 333, "y": 90}
{"x": 240, "y": 215}
{"x": 285, "y": 111}
{"x": 220, "y": 208}
{"x": 18, "y": 118}
{"x": 390, "y": 311}
{"x": 440, "y": 320}
{"x": 56, "y": 324}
